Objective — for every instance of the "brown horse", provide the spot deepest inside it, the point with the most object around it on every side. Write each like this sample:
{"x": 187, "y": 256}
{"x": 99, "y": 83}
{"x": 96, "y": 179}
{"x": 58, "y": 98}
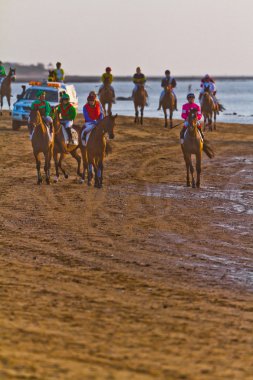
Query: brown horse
{"x": 209, "y": 110}
{"x": 168, "y": 102}
{"x": 106, "y": 96}
{"x": 140, "y": 100}
{"x": 61, "y": 148}
{"x": 41, "y": 143}
{"x": 5, "y": 90}
{"x": 94, "y": 152}
{"x": 193, "y": 144}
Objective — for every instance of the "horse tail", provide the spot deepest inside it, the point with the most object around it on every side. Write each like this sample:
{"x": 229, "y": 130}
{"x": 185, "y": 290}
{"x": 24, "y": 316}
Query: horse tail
{"x": 108, "y": 148}
{"x": 221, "y": 107}
{"x": 208, "y": 149}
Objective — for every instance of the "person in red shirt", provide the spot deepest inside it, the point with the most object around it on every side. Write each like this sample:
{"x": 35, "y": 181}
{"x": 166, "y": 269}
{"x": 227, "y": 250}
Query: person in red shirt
{"x": 93, "y": 113}
{"x": 187, "y": 107}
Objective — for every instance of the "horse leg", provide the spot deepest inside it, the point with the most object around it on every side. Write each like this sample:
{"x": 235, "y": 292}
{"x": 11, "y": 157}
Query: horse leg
{"x": 142, "y": 109}
{"x": 171, "y": 113}
{"x": 198, "y": 169}
{"x": 99, "y": 174}
{"x": 85, "y": 166}
{"x": 47, "y": 166}
{"x": 187, "y": 164}
{"x": 62, "y": 155}
{"x": 38, "y": 163}
{"x": 90, "y": 175}
{"x": 136, "y": 120}
{"x": 9, "y": 103}
{"x": 214, "y": 124}
{"x": 109, "y": 109}
{"x": 75, "y": 155}
{"x": 210, "y": 123}
{"x": 165, "y": 118}
{"x": 56, "y": 178}
{"x": 192, "y": 173}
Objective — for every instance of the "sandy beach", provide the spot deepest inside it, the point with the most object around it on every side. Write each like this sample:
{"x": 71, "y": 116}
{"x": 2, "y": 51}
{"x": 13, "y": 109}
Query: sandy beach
{"x": 143, "y": 279}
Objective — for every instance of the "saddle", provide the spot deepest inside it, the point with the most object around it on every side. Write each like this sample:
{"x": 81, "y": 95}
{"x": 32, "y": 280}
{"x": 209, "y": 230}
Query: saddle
{"x": 66, "y": 136}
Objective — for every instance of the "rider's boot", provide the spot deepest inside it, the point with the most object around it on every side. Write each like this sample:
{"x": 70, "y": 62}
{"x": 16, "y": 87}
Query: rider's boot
{"x": 70, "y": 136}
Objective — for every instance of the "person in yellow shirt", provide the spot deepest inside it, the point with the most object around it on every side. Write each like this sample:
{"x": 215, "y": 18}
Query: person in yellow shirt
{"x": 59, "y": 73}
{"x": 107, "y": 77}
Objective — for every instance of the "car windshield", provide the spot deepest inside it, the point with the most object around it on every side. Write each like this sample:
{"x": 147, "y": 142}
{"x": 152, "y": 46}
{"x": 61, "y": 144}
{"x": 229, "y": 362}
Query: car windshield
{"x": 51, "y": 96}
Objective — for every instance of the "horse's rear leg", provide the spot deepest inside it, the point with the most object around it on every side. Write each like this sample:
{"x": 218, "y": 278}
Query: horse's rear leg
{"x": 142, "y": 109}
{"x": 214, "y": 123}
{"x": 38, "y": 164}
{"x": 90, "y": 175}
{"x": 9, "y": 103}
{"x": 78, "y": 159}
{"x": 165, "y": 118}
{"x": 47, "y": 167}
{"x": 187, "y": 164}
{"x": 1, "y": 112}
{"x": 60, "y": 165}
{"x": 99, "y": 175}
{"x": 56, "y": 178}
{"x": 171, "y": 114}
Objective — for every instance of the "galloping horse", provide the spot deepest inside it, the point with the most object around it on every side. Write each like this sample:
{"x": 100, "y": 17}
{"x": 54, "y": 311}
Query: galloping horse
{"x": 106, "y": 97}
{"x": 94, "y": 152}
{"x": 140, "y": 100}
{"x": 208, "y": 109}
{"x": 60, "y": 147}
{"x": 193, "y": 144}
{"x": 41, "y": 143}
{"x": 168, "y": 102}
{"x": 5, "y": 90}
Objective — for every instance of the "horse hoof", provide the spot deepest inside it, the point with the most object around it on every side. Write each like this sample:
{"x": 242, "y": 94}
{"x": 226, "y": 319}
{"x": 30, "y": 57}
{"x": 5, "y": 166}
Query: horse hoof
{"x": 10, "y": 113}
{"x": 188, "y": 184}
{"x": 193, "y": 185}
{"x": 81, "y": 181}
{"x": 48, "y": 181}
{"x": 56, "y": 179}
{"x": 66, "y": 176}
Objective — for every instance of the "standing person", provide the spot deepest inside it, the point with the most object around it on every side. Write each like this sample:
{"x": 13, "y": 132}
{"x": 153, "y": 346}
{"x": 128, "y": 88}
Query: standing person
{"x": 2, "y": 72}
{"x": 107, "y": 77}
{"x": 43, "y": 107}
{"x": 59, "y": 73}
{"x": 68, "y": 114}
{"x": 138, "y": 79}
{"x": 168, "y": 80}
{"x": 187, "y": 107}
{"x": 93, "y": 113}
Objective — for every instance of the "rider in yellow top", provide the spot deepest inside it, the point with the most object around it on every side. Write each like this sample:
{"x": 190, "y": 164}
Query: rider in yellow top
{"x": 59, "y": 73}
{"x": 139, "y": 79}
{"x": 107, "y": 76}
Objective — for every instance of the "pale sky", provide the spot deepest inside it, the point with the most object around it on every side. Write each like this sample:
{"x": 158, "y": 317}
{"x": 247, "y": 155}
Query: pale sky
{"x": 189, "y": 37}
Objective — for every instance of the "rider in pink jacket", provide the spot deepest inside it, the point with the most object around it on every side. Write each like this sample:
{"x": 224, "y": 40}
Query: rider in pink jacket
{"x": 185, "y": 113}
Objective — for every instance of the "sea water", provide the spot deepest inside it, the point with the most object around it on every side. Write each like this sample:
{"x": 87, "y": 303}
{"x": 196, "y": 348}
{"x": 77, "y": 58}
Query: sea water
{"x": 236, "y": 95}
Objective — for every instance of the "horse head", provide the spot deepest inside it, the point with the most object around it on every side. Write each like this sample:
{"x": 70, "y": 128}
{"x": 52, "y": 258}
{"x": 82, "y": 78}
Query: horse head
{"x": 192, "y": 120}
{"x": 12, "y": 74}
{"x": 168, "y": 88}
{"x": 35, "y": 118}
{"x": 109, "y": 125}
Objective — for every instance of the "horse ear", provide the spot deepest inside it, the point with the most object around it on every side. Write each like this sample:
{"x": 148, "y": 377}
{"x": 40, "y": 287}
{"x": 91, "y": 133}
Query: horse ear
{"x": 115, "y": 116}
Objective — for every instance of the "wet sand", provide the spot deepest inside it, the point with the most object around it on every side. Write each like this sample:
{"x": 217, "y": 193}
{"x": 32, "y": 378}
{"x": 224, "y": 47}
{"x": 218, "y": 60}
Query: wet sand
{"x": 144, "y": 279}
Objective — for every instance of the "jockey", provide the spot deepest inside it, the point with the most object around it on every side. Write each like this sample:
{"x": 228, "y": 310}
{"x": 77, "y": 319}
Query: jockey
{"x": 138, "y": 79}
{"x": 59, "y": 73}
{"x": 68, "y": 114}
{"x": 208, "y": 84}
{"x": 43, "y": 107}
{"x": 107, "y": 76}
{"x": 93, "y": 113}
{"x": 168, "y": 80}
{"x": 185, "y": 113}
{"x": 2, "y": 72}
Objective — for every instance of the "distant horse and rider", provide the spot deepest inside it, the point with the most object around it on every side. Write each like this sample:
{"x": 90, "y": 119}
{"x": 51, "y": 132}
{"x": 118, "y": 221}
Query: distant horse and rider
{"x": 168, "y": 99}
{"x": 5, "y": 89}
{"x": 193, "y": 141}
{"x": 139, "y": 95}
